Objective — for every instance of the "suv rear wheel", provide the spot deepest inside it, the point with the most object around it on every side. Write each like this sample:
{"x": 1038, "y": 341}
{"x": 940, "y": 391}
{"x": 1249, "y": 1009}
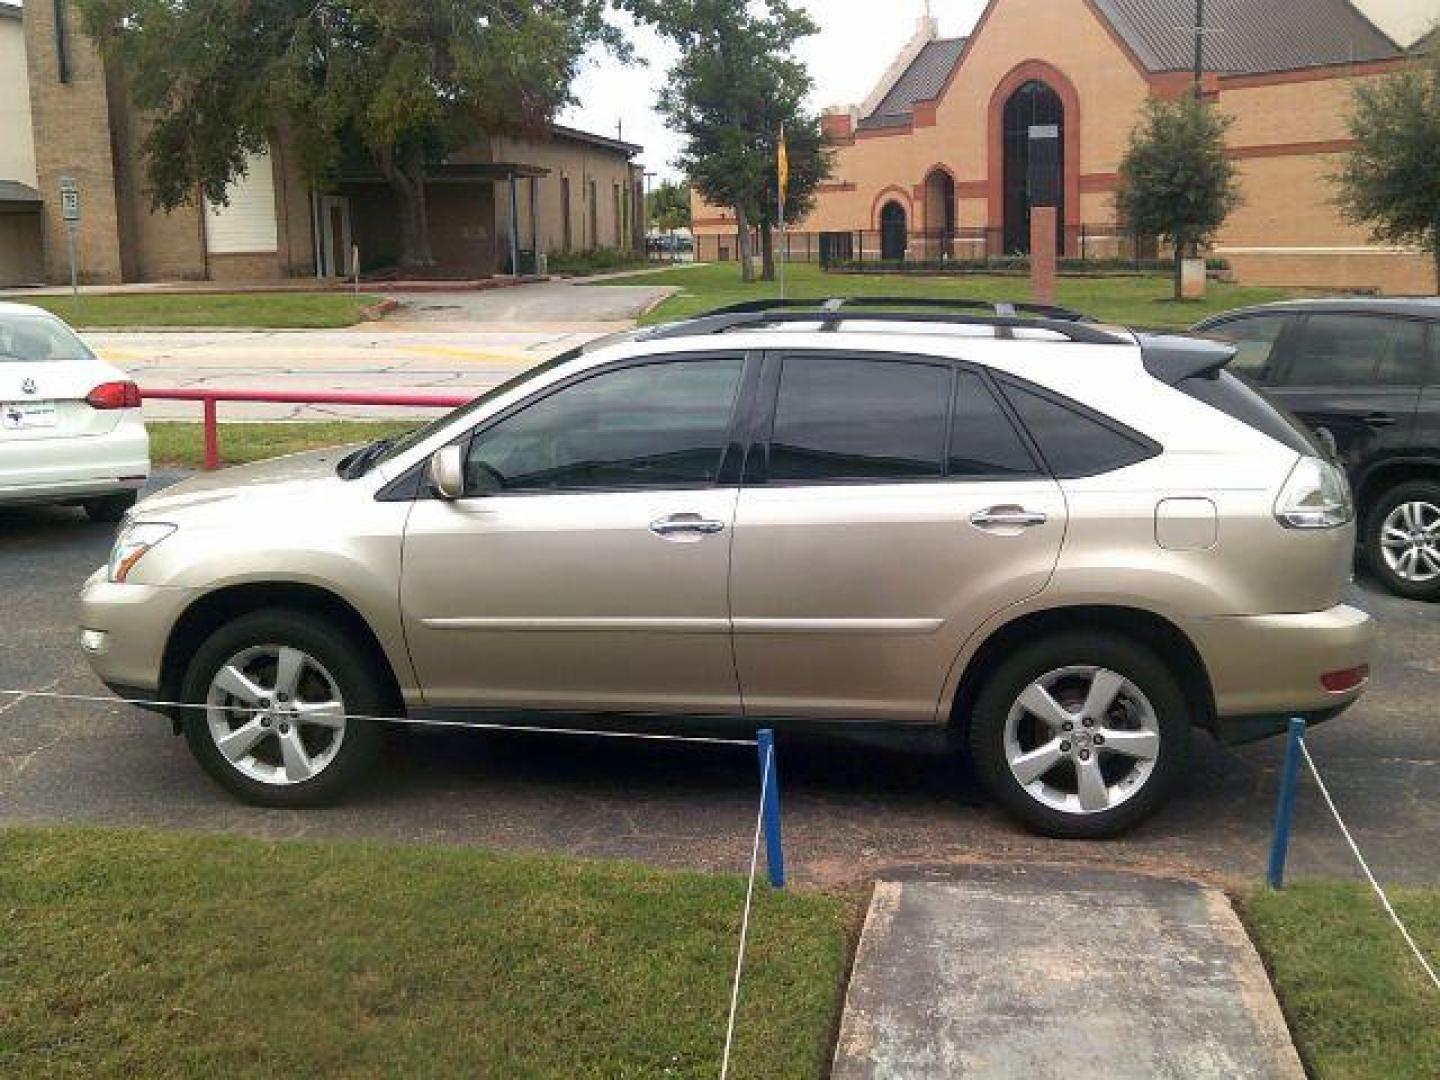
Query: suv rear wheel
{"x": 1080, "y": 735}
{"x": 1402, "y": 540}
{"x": 281, "y": 686}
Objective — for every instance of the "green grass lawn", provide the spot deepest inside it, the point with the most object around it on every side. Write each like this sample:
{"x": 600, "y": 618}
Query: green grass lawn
{"x": 1134, "y": 301}
{"x": 270, "y": 310}
{"x": 151, "y": 954}
{"x": 1358, "y": 1005}
{"x": 182, "y": 443}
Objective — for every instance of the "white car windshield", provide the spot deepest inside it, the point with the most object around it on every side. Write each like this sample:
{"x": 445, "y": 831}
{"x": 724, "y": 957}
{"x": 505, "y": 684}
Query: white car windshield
{"x": 32, "y": 339}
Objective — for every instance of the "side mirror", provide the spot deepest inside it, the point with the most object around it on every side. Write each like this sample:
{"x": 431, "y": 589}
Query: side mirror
{"x": 447, "y": 472}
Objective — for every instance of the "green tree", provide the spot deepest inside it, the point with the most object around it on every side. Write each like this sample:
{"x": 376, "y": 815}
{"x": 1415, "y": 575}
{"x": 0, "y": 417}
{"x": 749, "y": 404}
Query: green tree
{"x": 735, "y": 84}
{"x": 669, "y": 207}
{"x": 811, "y": 163}
{"x": 1175, "y": 180}
{"x": 1390, "y": 181}
{"x": 401, "y": 83}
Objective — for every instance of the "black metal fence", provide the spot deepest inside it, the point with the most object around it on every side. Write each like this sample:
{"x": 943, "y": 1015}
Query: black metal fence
{"x": 1098, "y": 246}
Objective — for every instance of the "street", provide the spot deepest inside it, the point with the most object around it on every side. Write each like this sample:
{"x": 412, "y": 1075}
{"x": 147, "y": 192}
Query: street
{"x": 851, "y": 811}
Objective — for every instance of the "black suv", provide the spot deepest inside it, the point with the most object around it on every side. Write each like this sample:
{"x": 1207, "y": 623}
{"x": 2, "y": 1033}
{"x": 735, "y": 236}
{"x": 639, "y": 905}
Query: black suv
{"x": 1364, "y": 374}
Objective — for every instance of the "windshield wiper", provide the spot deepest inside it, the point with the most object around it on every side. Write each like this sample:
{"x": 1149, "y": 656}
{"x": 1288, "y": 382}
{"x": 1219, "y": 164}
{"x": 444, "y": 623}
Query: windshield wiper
{"x": 358, "y": 463}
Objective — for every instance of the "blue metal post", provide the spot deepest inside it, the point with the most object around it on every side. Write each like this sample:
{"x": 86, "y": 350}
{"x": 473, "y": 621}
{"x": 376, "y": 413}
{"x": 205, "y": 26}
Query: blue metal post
{"x": 1285, "y": 805}
{"x": 770, "y": 781}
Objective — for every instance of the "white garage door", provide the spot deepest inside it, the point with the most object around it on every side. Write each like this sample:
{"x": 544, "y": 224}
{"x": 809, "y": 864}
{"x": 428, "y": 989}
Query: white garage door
{"x": 247, "y": 225}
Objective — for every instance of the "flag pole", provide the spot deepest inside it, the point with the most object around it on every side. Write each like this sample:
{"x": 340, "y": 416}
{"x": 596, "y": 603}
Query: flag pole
{"x": 783, "y": 176}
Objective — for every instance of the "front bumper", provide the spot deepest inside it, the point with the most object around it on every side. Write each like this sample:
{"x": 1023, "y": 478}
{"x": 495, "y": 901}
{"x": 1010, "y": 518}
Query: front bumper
{"x": 1264, "y": 667}
{"x": 125, "y": 628}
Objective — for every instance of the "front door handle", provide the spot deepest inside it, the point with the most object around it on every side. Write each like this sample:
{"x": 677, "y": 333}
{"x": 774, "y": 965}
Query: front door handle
{"x": 1007, "y": 517}
{"x": 1379, "y": 420}
{"x": 683, "y": 524}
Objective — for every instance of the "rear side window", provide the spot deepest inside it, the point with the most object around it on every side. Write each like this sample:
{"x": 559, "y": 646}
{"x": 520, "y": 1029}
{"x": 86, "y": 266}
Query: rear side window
{"x": 1073, "y": 441}
{"x": 1358, "y": 350}
{"x": 858, "y": 418}
{"x": 983, "y": 441}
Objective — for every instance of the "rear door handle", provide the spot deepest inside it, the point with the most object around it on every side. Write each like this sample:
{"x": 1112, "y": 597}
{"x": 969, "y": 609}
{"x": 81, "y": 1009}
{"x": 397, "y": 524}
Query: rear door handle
{"x": 682, "y": 524}
{"x": 1007, "y": 517}
{"x": 1379, "y": 420}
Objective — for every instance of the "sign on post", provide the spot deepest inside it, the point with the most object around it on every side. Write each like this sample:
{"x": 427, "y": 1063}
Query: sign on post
{"x": 70, "y": 214}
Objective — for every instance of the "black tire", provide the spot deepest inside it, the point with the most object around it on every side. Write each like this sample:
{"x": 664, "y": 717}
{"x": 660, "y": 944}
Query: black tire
{"x": 109, "y": 509}
{"x": 1122, "y": 655}
{"x": 1412, "y": 491}
{"x": 362, "y": 689}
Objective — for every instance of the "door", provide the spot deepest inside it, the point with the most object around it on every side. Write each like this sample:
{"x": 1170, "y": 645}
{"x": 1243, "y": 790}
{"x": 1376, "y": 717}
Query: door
{"x": 1357, "y": 377}
{"x": 335, "y": 236}
{"x": 587, "y": 567}
{"x": 892, "y": 510}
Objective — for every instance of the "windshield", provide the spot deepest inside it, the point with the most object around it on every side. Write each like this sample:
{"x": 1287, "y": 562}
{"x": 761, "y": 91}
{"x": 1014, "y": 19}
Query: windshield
{"x": 394, "y": 448}
{"x": 38, "y": 339}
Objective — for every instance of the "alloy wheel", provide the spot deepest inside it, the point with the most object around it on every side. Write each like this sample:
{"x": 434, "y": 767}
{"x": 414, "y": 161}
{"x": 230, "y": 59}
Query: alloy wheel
{"x": 275, "y": 714}
{"x": 1082, "y": 739}
{"x": 1410, "y": 542}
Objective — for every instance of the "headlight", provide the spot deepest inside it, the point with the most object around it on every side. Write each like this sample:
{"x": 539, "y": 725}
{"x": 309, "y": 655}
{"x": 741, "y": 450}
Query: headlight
{"x": 1316, "y": 496}
{"x": 131, "y": 544}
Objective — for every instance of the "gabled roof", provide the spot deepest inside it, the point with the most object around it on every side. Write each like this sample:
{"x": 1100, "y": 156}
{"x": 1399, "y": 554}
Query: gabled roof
{"x": 922, "y": 81}
{"x": 1247, "y": 37}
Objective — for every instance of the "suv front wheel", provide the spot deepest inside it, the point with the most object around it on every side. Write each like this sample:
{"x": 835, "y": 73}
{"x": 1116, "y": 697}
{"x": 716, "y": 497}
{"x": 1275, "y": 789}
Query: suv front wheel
{"x": 1080, "y": 735}
{"x": 1402, "y": 540}
{"x": 281, "y": 689}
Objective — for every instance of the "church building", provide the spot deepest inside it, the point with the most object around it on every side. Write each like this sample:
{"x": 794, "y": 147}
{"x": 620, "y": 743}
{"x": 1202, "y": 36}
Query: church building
{"x": 931, "y": 166}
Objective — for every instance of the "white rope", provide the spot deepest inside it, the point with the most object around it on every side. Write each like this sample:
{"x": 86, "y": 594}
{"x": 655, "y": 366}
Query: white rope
{"x": 23, "y": 695}
{"x": 745, "y": 918}
{"x": 1365, "y": 867}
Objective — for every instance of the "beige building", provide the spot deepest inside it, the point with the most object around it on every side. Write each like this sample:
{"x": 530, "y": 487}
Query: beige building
{"x": 65, "y": 114}
{"x": 931, "y": 166}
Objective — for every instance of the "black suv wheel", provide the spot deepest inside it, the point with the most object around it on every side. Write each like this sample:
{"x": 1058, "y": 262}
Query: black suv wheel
{"x": 1402, "y": 539}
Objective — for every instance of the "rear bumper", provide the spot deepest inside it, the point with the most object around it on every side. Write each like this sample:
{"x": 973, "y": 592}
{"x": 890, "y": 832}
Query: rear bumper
{"x": 77, "y": 467}
{"x": 1266, "y": 668}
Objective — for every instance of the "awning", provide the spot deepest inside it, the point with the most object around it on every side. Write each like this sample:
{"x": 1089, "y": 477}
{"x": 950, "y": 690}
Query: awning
{"x": 498, "y": 171}
{"x": 16, "y": 197}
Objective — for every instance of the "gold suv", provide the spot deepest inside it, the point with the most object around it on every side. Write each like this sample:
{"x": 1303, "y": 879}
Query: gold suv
{"x": 1064, "y": 544}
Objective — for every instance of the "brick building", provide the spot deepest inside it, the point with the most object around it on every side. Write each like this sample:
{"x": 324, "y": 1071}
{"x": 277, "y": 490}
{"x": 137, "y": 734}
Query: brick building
{"x": 931, "y": 165}
{"x": 64, "y": 113}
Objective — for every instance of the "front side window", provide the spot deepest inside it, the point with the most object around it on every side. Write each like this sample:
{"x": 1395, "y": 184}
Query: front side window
{"x": 651, "y": 425}
{"x": 1358, "y": 350}
{"x": 1254, "y": 339}
{"x": 841, "y": 418}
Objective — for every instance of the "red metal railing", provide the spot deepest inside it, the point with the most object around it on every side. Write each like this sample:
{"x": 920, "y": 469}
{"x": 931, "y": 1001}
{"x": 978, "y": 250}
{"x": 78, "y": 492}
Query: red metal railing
{"x": 210, "y": 397}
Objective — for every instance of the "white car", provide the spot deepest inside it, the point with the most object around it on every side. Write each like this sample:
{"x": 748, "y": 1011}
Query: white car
{"x": 70, "y": 426}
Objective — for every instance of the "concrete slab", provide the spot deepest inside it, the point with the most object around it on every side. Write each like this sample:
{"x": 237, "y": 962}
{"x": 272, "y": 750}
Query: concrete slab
{"x": 1058, "y": 973}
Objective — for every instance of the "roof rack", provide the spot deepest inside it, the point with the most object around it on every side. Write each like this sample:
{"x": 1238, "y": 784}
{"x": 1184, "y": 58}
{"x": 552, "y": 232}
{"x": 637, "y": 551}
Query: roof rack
{"x": 1004, "y": 317}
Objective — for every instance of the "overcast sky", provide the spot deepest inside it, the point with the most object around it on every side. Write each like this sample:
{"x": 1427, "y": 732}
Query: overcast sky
{"x": 857, "y": 41}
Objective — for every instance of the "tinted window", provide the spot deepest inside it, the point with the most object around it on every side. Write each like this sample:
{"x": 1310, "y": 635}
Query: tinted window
{"x": 1073, "y": 443}
{"x": 655, "y": 425}
{"x": 848, "y": 418}
{"x": 983, "y": 441}
{"x": 1254, "y": 339}
{"x": 1358, "y": 350}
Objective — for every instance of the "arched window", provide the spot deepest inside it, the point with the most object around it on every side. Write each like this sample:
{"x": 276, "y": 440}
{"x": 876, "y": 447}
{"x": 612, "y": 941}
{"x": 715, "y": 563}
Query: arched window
{"x": 893, "y": 232}
{"x": 1032, "y": 104}
{"x": 939, "y": 215}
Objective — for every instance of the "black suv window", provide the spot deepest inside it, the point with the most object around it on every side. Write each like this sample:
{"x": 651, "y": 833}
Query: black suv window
{"x": 1254, "y": 338}
{"x": 1339, "y": 349}
{"x": 983, "y": 441}
{"x": 651, "y": 425}
{"x": 1074, "y": 442}
{"x": 859, "y": 418}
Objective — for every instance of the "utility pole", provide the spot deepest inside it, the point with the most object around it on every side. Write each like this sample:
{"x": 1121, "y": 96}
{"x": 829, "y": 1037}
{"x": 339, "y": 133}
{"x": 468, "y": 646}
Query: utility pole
{"x": 1199, "y": 48}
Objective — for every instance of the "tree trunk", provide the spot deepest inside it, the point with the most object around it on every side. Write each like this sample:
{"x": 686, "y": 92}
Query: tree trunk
{"x": 1179, "y": 269}
{"x": 742, "y": 245}
{"x": 405, "y": 173}
{"x": 767, "y": 252}
{"x": 1435, "y": 256}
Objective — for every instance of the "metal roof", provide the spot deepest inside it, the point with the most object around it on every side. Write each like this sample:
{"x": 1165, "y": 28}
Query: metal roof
{"x": 922, "y": 81}
{"x": 1247, "y": 36}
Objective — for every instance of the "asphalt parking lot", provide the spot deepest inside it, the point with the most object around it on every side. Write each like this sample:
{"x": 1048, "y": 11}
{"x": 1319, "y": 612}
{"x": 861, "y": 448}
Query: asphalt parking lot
{"x": 850, "y": 810}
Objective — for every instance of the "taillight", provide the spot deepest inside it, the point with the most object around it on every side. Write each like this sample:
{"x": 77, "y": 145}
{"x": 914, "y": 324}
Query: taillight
{"x": 114, "y": 395}
{"x": 1340, "y": 682}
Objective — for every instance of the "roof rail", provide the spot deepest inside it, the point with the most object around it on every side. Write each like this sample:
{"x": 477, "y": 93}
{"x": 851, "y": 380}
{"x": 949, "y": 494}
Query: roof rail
{"x": 1005, "y": 318}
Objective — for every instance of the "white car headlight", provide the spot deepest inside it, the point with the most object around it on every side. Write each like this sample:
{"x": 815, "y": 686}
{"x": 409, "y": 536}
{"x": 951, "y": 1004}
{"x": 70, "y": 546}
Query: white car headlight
{"x": 1316, "y": 496}
{"x": 131, "y": 544}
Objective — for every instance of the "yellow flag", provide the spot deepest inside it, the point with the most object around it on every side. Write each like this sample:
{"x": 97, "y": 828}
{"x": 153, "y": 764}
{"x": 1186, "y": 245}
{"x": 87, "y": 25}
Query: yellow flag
{"x": 783, "y": 168}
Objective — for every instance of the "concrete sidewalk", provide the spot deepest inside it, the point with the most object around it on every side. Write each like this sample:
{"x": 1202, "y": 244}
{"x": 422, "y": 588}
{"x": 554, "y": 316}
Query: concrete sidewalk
{"x": 1036, "y": 973}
